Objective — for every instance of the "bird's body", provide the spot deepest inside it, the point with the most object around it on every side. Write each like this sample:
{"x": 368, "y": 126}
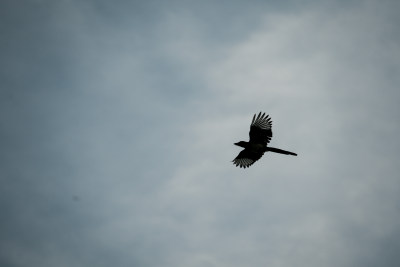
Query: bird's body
{"x": 260, "y": 135}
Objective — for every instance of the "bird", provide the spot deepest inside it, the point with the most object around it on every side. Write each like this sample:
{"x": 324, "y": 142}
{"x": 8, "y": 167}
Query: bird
{"x": 260, "y": 135}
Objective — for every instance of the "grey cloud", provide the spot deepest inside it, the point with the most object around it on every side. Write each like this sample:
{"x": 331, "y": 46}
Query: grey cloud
{"x": 117, "y": 123}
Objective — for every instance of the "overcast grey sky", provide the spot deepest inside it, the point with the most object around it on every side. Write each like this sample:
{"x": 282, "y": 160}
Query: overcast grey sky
{"x": 118, "y": 118}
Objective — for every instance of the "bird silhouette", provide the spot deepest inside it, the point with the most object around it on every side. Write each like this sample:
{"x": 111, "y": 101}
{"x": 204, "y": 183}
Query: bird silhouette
{"x": 260, "y": 135}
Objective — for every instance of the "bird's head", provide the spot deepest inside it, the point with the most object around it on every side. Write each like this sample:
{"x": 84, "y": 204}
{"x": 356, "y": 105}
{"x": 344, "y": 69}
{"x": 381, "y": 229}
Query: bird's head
{"x": 241, "y": 144}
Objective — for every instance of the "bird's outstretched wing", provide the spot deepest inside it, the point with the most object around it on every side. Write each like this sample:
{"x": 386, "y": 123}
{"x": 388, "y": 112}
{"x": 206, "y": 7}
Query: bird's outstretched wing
{"x": 246, "y": 158}
{"x": 261, "y": 129}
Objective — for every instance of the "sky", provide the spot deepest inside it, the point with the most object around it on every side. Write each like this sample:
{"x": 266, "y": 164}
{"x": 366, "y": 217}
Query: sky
{"x": 118, "y": 118}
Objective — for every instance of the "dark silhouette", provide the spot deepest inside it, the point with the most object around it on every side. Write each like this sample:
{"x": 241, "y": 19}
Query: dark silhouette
{"x": 260, "y": 135}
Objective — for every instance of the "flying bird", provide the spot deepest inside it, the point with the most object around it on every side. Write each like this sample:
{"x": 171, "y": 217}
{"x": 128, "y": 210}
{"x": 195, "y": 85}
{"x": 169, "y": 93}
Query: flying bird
{"x": 260, "y": 135}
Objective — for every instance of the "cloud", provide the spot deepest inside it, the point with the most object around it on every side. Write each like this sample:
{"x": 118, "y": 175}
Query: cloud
{"x": 118, "y": 123}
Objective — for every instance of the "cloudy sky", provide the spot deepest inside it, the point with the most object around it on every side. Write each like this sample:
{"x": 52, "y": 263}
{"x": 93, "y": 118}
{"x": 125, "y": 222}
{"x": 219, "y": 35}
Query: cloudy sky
{"x": 118, "y": 118}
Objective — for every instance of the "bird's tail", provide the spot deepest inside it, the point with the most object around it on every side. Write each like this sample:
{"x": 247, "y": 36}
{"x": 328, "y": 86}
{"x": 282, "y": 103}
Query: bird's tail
{"x": 277, "y": 150}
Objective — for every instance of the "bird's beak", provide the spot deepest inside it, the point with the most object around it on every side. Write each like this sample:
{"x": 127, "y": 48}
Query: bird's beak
{"x": 236, "y": 144}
